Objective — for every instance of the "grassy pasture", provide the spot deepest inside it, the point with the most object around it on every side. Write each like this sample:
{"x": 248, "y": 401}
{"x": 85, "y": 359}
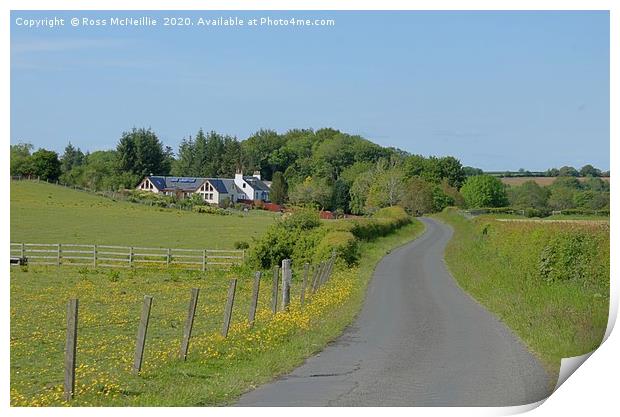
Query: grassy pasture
{"x": 217, "y": 370}
{"x": 46, "y": 213}
{"x": 499, "y": 264}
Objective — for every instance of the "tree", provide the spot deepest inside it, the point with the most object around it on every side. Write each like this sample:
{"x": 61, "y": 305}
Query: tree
{"x": 312, "y": 192}
{"x": 21, "y": 163}
{"x": 278, "y": 188}
{"x": 589, "y": 171}
{"x": 567, "y": 171}
{"x": 418, "y": 196}
{"x": 471, "y": 171}
{"x": 358, "y": 192}
{"x": 562, "y": 198}
{"x": 387, "y": 187}
{"x": 528, "y": 195}
{"x": 141, "y": 153}
{"x": 71, "y": 158}
{"x": 484, "y": 191}
{"x": 566, "y": 182}
{"x": 340, "y": 196}
{"x": 184, "y": 164}
{"x": 552, "y": 172}
{"x": 45, "y": 164}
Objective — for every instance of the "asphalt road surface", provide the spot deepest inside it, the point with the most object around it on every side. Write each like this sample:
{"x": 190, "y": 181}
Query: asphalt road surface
{"x": 419, "y": 340}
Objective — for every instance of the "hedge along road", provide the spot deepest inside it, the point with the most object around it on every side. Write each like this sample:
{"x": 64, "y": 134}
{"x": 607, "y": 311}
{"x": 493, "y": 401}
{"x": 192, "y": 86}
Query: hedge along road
{"x": 418, "y": 341}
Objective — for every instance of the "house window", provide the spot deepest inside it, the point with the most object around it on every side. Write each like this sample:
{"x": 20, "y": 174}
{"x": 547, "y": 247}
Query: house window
{"x": 243, "y": 185}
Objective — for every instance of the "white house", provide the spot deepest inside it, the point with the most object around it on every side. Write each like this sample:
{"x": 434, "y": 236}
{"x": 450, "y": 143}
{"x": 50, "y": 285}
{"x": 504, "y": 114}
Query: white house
{"x": 212, "y": 190}
{"x": 253, "y": 187}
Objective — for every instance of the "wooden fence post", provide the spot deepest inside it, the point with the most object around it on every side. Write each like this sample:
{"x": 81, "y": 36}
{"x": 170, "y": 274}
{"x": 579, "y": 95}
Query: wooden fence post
{"x": 302, "y": 297}
{"x": 254, "y": 301}
{"x": 286, "y": 283}
{"x": 58, "y": 255}
{"x": 274, "y": 289}
{"x": 141, "y": 338}
{"x": 94, "y": 256}
{"x": 130, "y": 256}
{"x": 204, "y": 259}
{"x": 168, "y": 258}
{"x": 23, "y": 250}
{"x": 229, "y": 306}
{"x": 189, "y": 322}
{"x": 317, "y": 277}
{"x": 71, "y": 348}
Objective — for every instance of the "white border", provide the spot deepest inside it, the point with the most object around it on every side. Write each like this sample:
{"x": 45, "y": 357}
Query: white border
{"x": 591, "y": 390}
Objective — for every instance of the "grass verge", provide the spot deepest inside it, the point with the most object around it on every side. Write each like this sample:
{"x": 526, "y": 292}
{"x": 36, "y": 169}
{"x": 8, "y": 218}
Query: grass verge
{"x": 502, "y": 265}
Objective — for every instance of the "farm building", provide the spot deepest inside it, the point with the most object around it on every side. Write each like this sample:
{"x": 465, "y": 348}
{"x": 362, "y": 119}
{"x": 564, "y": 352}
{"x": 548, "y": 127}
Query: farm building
{"x": 212, "y": 190}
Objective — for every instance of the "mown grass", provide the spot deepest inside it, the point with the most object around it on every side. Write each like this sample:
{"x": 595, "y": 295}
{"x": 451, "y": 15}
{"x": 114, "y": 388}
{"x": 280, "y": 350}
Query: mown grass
{"x": 498, "y": 263}
{"x": 217, "y": 370}
{"x": 46, "y": 213}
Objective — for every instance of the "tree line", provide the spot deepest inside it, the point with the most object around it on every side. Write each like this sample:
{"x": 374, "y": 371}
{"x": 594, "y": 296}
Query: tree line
{"x": 324, "y": 168}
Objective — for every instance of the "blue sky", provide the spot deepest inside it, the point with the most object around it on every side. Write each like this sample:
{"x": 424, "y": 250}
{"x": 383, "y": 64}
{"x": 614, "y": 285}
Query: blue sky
{"x": 498, "y": 90}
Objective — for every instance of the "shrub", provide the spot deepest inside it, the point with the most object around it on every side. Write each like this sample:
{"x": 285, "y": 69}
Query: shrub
{"x": 241, "y": 244}
{"x": 344, "y": 244}
{"x": 210, "y": 210}
{"x": 533, "y": 212}
{"x": 302, "y": 219}
{"x": 567, "y": 257}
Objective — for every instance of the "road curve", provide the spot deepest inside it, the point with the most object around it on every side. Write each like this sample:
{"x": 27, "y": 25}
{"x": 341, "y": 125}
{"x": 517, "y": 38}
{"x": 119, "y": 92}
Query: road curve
{"x": 419, "y": 340}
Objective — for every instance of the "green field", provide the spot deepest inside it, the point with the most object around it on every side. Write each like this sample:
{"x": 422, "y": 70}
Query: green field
{"x": 45, "y": 213}
{"x": 501, "y": 265}
{"x": 217, "y": 369}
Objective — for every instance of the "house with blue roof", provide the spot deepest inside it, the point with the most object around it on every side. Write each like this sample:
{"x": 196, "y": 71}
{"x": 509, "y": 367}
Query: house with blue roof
{"x": 212, "y": 190}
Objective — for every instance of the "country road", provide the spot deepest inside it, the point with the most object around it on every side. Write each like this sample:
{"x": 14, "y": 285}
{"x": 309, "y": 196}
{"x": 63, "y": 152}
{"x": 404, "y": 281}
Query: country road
{"x": 419, "y": 340}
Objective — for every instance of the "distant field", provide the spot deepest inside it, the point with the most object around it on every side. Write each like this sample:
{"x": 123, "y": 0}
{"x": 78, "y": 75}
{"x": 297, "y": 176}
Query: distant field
{"x": 45, "y": 213}
{"x": 539, "y": 180}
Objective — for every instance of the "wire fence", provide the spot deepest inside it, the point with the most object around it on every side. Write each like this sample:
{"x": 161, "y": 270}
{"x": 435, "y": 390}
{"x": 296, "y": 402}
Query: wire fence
{"x": 125, "y": 345}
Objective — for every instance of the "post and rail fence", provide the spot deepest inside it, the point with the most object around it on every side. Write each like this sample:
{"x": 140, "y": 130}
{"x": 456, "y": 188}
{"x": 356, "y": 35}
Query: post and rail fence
{"x": 121, "y": 256}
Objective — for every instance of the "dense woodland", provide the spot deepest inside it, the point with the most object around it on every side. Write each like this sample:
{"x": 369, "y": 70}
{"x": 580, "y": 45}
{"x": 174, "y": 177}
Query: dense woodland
{"x": 322, "y": 168}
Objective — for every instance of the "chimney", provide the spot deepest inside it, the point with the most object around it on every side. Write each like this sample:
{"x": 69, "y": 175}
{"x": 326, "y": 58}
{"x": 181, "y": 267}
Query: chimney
{"x": 238, "y": 174}
{"x": 256, "y": 174}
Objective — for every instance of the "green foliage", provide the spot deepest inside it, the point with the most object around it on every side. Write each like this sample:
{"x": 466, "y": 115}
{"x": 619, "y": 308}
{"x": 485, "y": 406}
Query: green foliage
{"x": 302, "y": 219}
{"x": 282, "y": 238}
{"x": 343, "y": 244}
{"x": 278, "y": 190}
{"x": 484, "y": 191}
{"x": 211, "y": 210}
{"x": 589, "y": 171}
{"x": 71, "y": 158}
{"x": 568, "y": 171}
{"x": 549, "y": 282}
{"x": 302, "y": 237}
{"x": 140, "y": 152}
{"x": 435, "y": 169}
{"x": 383, "y": 222}
{"x": 568, "y": 256}
{"x": 418, "y": 196}
{"x": 45, "y": 164}
{"x": 536, "y": 212}
{"x": 210, "y": 155}
{"x": 241, "y": 244}
{"x": 312, "y": 192}
{"x": 528, "y": 195}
